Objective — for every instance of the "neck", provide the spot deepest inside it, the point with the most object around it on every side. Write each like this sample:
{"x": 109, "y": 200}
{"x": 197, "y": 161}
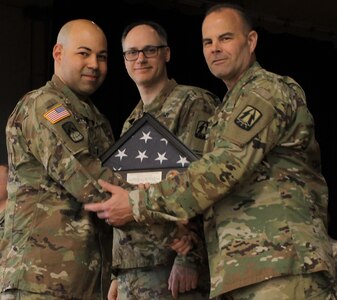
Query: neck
{"x": 3, "y": 203}
{"x": 149, "y": 92}
{"x": 232, "y": 81}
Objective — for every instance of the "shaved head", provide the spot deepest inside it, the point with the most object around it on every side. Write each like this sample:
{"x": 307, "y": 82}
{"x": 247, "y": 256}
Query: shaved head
{"x": 73, "y": 27}
{"x": 80, "y": 56}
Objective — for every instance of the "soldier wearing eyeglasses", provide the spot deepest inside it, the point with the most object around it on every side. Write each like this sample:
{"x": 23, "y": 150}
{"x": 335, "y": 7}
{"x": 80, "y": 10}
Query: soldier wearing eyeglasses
{"x": 145, "y": 267}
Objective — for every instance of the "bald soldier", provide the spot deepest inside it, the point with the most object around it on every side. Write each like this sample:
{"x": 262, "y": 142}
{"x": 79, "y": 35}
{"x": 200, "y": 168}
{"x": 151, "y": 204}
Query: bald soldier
{"x": 54, "y": 138}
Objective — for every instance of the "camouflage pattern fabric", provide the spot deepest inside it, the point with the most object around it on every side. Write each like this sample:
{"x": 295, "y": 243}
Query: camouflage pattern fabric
{"x": 54, "y": 140}
{"x": 184, "y": 110}
{"x": 313, "y": 286}
{"x": 23, "y": 295}
{"x": 334, "y": 251}
{"x": 151, "y": 283}
{"x": 259, "y": 186}
{"x": 2, "y": 223}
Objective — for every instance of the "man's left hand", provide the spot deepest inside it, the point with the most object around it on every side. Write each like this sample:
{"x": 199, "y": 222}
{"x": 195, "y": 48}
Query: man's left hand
{"x": 182, "y": 279}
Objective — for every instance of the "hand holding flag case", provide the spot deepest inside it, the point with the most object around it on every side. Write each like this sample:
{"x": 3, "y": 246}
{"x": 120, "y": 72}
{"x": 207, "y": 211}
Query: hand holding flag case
{"x": 147, "y": 152}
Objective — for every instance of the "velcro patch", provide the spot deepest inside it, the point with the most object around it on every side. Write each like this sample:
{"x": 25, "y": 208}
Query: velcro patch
{"x": 72, "y": 132}
{"x": 200, "y": 131}
{"x": 56, "y": 114}
{"x": 248, "y": 117}
{"x": 251, "y": 116}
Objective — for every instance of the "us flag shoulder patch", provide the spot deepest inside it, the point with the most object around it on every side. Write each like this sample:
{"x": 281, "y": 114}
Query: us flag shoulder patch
{"x": 56, "y": 114}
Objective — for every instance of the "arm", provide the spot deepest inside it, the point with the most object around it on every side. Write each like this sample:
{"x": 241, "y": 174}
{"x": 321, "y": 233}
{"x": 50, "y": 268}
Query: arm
{"x": 234, "y": 155}
{"x": 186, "y": 268}
{"x": 67, "y": 161}
{"x": 191, "y": 127}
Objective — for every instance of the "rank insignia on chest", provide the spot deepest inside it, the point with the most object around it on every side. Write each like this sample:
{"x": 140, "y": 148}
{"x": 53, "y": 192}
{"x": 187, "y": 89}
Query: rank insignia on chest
{"x": 248, "y": 117}
{"x": 72, "y": 132}
{"x": 56, "y": 114}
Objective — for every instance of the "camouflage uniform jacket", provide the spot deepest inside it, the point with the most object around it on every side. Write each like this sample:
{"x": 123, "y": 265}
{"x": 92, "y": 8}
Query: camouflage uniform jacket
{"x": 53, "y": 141}
{"x": 2, "y": 224}
{"x": 259, "y": 185}
{"x": 184, "y": 110}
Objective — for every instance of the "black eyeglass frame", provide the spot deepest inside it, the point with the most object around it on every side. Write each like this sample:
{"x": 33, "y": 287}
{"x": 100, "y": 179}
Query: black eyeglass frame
{"x": 143, "y": 51}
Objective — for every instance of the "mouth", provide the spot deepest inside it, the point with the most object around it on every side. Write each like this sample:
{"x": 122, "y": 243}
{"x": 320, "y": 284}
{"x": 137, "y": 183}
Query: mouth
{"x": 142, "y": 69}
{"x": 218, "y": 61}
{"x": 90, "y": 77}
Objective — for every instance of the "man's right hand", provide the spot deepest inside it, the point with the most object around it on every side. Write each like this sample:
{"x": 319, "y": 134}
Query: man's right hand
{"x": 117, "y": 209}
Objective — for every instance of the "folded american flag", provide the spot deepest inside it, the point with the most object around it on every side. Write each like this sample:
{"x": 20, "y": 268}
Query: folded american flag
{"x": 148, "y": 146}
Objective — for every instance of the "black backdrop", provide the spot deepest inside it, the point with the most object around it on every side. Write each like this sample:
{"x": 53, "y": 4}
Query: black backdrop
{"x": 307, "y": 60}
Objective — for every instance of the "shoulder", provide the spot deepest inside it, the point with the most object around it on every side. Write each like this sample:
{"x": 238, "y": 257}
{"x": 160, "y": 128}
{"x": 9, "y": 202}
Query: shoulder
{"x": 36, "y": 106}
{"x": 197, "y": 93}
{"x": 41, "y": 96}
{"x": 272, "y": 85}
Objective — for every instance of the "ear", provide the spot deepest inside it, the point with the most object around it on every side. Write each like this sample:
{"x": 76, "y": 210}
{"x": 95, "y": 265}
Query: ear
{"x": 167, "y": 54}
{"x": 57, "y": 52}
{"x": 252, "y": 40}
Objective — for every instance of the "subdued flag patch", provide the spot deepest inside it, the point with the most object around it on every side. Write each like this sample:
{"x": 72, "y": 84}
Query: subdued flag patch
{"x": 56, "y": 114}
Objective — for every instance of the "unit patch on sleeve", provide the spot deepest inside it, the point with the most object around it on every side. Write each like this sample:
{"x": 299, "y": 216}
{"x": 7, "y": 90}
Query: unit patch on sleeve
{"x": 248, "y": 117}
{"x": 56, "y": 114}
{"x": 72, "y": 132}
{"x": 201, "y": 130}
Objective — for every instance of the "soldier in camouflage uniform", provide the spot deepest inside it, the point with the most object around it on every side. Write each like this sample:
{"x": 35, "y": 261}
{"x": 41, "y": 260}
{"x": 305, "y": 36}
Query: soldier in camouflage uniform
{"x": 54, "y": 138}
{"x": 139, "y": 255}
{"x": 259, "y": 183}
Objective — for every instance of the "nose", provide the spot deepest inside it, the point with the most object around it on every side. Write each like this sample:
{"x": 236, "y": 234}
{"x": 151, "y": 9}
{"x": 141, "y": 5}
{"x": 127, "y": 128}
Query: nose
{"x": 215, "y": 47}
{"x": 141, "y": 56}
{"x": 92, "y": 62}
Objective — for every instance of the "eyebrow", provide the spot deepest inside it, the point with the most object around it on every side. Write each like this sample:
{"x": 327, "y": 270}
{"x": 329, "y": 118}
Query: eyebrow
{"x": 136, "y": 48}
{"x": 89, "y": 49}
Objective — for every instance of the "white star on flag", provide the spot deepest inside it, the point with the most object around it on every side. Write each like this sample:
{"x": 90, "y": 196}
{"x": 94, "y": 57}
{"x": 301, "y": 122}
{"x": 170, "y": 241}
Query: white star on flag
{"x": 183, "y": 161}
{"x": 146, "y": 136}
{"x": 121, "y": 154}
{"x": 161, "y": 157}
{"x": 141, "y": 155}
{"x": 149, "y": 146}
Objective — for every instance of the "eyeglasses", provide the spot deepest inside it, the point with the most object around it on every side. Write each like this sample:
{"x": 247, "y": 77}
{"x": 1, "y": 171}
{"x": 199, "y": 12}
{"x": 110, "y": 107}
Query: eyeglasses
{"x": 148, "y": 52}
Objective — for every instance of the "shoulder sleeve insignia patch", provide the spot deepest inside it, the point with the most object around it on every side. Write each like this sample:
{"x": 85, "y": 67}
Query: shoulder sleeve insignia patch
{"x": 72, "y": 132}
{"x": 248, "y": 117}
{"x": 56, "y": 114}
{"x": 201, "y": 130}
